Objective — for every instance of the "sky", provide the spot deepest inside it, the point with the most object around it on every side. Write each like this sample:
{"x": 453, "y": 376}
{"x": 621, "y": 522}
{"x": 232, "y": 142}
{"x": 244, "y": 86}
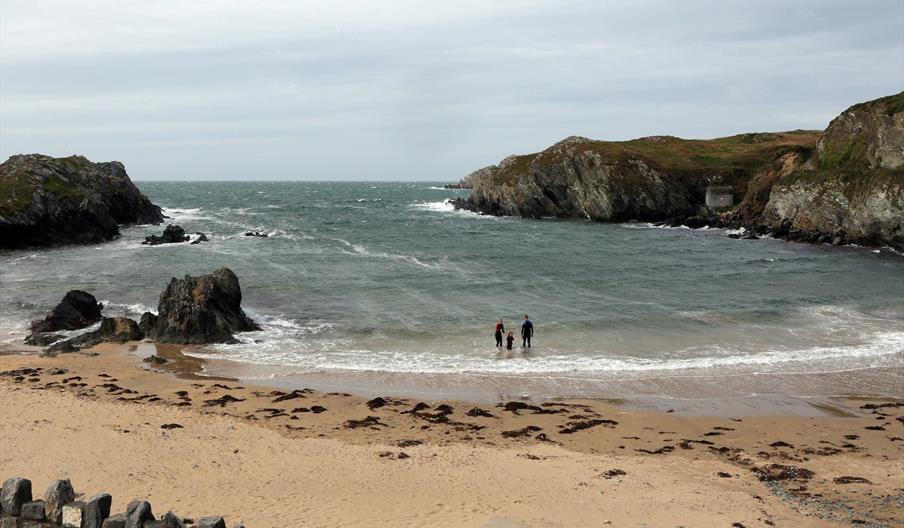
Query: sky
{"x": 411, "y": 90}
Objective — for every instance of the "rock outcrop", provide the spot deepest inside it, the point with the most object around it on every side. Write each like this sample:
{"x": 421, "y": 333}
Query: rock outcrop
{"x": 652, "y": 179}
{"x": 843, "y": 185}
{"x": 112, "y": 330}
{"x": 193, "y": 310}
{"x": 205, "y": 309}
{"x": 172, "y": 234}
{"x": 47, "y": 201}
{"x": 851, "y": 191}
{"x": 77, "y": 310}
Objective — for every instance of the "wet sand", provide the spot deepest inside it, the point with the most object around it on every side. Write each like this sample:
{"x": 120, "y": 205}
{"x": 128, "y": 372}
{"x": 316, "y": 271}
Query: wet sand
{"x": 298, "y": 457}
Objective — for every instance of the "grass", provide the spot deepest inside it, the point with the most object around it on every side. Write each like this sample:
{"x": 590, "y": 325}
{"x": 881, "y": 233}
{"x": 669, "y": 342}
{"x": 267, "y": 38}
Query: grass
{"x": 60, "y": 187}
{"x": 16, "y": 191}
{"x": 889, "y": 105}
{"x": 514, "y": 170}
{"x": 844, "y": 152}
{"x": 15, "y": 194}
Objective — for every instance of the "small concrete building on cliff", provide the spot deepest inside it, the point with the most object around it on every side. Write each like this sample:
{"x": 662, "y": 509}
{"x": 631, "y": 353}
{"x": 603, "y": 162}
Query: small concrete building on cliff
{"x": 718, "y": 196}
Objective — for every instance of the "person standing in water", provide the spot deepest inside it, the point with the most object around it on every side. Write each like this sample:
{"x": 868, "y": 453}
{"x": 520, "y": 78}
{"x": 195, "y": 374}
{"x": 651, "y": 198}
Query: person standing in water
{"x": 510, "y": 339}
{"x": 527, "y": 332}
{"x": 500, "y": 329}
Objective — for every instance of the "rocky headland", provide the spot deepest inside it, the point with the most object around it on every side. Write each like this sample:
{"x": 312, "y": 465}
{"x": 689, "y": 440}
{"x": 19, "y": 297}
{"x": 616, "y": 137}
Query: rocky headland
{"x": 46, "y": 201}
{"x": 844, "y": 185}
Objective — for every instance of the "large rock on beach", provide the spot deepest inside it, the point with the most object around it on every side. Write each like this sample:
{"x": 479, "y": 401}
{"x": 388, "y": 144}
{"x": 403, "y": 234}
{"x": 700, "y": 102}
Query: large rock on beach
{"x": 112, "y": 330}
{"x": 205, "y": 309}
{"x": 77, "y": 310}
{"x": 46, "y": 201}
{"x": 147, "y": 323}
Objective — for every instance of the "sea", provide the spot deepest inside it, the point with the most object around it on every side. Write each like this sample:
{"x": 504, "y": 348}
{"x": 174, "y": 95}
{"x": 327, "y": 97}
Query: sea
{"x": 384, "y": 288}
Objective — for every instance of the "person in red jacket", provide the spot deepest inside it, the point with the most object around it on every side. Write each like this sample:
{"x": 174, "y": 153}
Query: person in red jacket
{"x": 500, "y": 329}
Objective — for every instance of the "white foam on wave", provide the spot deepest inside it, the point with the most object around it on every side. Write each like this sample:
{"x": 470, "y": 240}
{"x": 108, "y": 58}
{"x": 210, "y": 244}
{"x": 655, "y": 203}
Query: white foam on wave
{"x": 650, "y": 225}
{"x": 447, "y": 207}
{"x": 271, "y": 233}
{"x": 341, "y": 358}
{"x": 182, "y": 214}
{"x": 358, "y": 249}
{"x": 127, "y": 309}
{"x": 866, "y": 340}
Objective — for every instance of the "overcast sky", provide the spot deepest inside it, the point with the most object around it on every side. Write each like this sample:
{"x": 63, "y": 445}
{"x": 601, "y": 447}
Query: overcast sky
{"x": 412, "y": 90}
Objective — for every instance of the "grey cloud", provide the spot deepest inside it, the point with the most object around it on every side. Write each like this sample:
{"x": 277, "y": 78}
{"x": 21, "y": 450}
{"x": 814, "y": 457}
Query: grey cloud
{"x": 393, "y": 90}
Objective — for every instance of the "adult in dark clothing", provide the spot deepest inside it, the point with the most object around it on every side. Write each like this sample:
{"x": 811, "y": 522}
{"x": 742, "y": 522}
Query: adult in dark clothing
{"x": 527, "y": 332}
{"x": 500, "y": 329}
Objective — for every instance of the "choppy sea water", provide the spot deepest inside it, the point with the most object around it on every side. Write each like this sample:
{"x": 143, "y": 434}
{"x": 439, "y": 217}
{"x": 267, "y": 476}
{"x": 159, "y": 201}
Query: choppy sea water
{"x": 386, "y": 280}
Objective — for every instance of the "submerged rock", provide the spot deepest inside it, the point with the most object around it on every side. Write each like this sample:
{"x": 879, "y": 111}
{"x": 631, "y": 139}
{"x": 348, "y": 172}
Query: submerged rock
{"x": 256, "y": 234}
{"x": 46, "y": 201}
{"x": 205, "y": 309}
{"x": 172, "y": 234}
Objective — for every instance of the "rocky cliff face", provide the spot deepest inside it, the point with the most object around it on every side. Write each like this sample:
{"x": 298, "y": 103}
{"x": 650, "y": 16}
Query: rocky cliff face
{"x": 850, "y": 191}
{"x": 47, "y": 201}
{"x": 653, "y": 178}
{"x": 843, "y": 185}
{"x": 578, "y": 183}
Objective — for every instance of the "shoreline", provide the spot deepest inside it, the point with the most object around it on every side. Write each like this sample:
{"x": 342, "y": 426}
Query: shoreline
{"x": 690, "y": 393}
{"x": 522, "y": 456}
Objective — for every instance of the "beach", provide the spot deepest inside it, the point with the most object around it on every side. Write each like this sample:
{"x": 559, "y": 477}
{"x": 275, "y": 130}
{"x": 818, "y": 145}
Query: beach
{"x": 277, "y": 457}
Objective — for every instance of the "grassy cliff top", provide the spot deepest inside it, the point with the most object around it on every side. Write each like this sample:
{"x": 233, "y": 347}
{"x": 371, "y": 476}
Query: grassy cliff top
{"x": 731, "y": 159}
{"x": 888, "y": 105}
{"x": 18, "y": 180}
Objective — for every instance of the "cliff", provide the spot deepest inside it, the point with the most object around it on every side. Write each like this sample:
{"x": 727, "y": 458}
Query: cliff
{"x": 46, "y": 201}
{"x": 652, "y": 178}
{"x": 851, "y": 191}
{"x": 843, "y": 185}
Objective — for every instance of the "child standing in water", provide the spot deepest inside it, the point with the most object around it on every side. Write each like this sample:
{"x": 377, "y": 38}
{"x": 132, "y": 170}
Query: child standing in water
{"x": 509, "y": 340}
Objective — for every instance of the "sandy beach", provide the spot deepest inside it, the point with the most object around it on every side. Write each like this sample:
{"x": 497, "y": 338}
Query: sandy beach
{"x": 279, "y": 458}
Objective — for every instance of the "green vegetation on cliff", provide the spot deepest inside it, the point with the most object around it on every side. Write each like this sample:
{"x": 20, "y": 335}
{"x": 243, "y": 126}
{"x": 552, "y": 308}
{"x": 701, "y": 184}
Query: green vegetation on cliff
{"x": 696, "y": 162}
